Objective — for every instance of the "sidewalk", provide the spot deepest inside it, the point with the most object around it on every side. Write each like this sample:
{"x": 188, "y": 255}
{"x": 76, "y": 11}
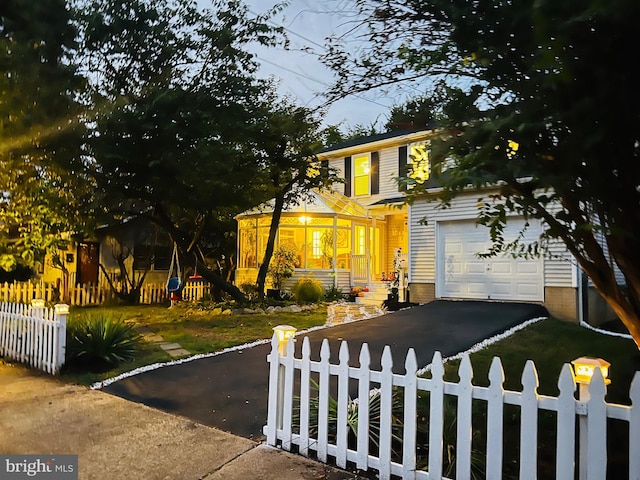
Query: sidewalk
{"x": 118, "y": 439}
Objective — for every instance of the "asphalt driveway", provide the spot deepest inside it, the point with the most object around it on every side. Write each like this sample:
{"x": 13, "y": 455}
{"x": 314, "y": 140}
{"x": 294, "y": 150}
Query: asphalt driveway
{"x": 229, "y": 391}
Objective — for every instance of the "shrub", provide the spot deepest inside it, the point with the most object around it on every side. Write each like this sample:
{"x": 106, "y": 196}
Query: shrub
{"x": 333, "y": 293}
{"x": 308, "y": 290}
{"x": 100, "y": 342}
{"x": 282, "y": 265}
{"x": 250, "y": 290}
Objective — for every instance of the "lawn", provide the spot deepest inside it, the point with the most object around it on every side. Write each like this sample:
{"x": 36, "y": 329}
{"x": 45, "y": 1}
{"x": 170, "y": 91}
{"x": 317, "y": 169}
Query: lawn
{"x": 196, "y": 330}
{"x": 550, "y": 344}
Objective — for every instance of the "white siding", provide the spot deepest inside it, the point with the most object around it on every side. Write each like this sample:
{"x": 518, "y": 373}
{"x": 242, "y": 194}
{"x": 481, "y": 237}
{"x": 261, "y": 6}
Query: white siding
{"x": 558, "y": 268}
{"x": 388, "y": 174}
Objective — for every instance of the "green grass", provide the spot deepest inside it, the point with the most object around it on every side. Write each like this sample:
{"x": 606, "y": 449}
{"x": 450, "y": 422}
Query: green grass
{"x": 196, "y": 330}
{"x": 550, "y": 344}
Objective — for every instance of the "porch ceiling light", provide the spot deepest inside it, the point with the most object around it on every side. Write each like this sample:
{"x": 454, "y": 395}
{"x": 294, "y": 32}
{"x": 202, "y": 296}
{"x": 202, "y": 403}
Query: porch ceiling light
{"x": 584, "y": 367}
{"x": 304, "y": 219}
{"x": 284, "y": 333}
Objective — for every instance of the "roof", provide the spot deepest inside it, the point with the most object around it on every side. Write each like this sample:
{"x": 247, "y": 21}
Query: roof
{"x": 328, "y": 202}
{"x": 381, "y": 140}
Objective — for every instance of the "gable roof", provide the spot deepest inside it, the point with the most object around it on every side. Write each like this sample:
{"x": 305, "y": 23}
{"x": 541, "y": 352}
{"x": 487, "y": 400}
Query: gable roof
{"x": 374, "y": 142}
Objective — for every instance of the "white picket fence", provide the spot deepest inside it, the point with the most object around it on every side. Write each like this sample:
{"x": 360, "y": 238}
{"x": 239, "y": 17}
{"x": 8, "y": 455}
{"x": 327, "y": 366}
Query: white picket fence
{"x": 90, "y": 294}
{"x": 292, "y": 414}
{"x": 34, "y": 335}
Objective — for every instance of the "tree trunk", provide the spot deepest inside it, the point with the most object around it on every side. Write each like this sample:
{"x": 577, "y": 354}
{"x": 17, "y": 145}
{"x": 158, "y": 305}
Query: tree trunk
{"x": 603, "y": 278}
{"x": 273, "y": 230}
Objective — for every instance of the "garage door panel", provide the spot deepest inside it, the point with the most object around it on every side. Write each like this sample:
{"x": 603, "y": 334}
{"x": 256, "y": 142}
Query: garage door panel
{"x": 453, "y": 248}
{"x": 464, "y": 275}
{"x": 475, "y": 267}
{"x": 477, "y": 289}
{"x": 501, "y": 288}
{"x": 501, "y": 267}
{"x": 527, "y": 268}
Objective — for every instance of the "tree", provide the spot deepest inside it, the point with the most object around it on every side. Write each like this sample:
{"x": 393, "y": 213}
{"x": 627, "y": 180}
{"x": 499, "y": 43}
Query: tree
{"x": 286, "y": 141}
{"x": 416, "y": 113}
{"x": 174, "y": 95}
{"x": 547, "y": 109}
{"x": 44, "y": 187}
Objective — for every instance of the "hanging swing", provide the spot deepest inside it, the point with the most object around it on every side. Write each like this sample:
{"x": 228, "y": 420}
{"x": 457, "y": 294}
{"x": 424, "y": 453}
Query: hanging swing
{"x": 195, "y": 275}
{"x": 174, "y": 281}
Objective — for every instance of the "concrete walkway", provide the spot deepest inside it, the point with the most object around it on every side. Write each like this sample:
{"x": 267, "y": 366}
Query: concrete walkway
{"x": 117, "y": 439}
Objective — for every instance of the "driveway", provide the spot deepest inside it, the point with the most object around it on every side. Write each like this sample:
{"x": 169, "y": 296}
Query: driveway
{"x": 230, "y": 391}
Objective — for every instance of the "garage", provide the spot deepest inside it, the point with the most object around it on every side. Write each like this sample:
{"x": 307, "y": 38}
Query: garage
{"x": 461, "y": 274}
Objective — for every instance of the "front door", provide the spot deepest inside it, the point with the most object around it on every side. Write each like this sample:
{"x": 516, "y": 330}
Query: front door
{"x": 88, "y": 263}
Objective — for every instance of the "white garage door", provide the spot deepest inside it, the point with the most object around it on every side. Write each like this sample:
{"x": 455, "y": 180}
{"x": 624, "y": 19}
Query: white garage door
{"x": 461, "y": 274}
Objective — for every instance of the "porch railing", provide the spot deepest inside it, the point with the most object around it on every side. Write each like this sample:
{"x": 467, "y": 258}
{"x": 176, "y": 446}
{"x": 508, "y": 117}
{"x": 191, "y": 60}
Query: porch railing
{"x": 360, "y": 269}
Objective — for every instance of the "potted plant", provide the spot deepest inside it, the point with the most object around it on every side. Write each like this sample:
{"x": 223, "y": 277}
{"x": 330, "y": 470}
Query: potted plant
{"x": 283, "y": 264}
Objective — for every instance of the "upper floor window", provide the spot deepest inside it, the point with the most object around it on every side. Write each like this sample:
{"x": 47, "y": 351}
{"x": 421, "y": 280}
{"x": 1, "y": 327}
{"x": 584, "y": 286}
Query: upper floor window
{"x": 418, "y": 162}
{"x": 362, "y": 174}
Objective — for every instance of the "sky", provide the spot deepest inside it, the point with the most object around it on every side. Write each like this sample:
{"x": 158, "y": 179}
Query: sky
{"x": 301, "y": 74}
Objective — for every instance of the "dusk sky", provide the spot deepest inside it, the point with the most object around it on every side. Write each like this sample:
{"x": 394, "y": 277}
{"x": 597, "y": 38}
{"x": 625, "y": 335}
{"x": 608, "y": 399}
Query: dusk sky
{"x": 302, "y": 75}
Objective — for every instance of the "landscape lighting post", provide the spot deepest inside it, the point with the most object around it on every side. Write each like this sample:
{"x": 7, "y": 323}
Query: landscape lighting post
{"x": 284, "y": 333}
{"x": 584, "y": 368}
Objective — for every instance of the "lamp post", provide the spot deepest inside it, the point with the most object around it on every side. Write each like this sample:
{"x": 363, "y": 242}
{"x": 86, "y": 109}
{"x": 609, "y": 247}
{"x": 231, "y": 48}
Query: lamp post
{"x": 584, "y": 368}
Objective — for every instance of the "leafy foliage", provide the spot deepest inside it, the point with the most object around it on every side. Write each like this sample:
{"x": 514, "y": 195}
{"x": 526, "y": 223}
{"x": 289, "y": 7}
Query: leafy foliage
{"x": 285, "y": 143}
{"x": 308, "y": 290}
{"x": 175, "y": 97}
{"x": 44, "y": 181}
{"x": 97, "y": 342}
{"x": 352, "y": 417}
{"x": 538, "y": 107}
{"x": 333, "y": 293}
{"x": 283, "y": 264}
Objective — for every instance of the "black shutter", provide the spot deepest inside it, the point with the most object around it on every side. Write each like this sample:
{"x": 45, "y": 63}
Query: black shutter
{"x": 402, "y": 166}
{"x": 347, "y": 176}
{"x": 375, "y": 173}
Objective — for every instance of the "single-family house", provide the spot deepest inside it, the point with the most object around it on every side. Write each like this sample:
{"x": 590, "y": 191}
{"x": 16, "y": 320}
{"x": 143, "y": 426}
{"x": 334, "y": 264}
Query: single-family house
{"x": 361, "y": 232}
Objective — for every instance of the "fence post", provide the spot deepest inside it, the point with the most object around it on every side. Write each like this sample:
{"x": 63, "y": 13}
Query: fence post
{"x": 272, "y": 415}
{"x": 61, "y": 311}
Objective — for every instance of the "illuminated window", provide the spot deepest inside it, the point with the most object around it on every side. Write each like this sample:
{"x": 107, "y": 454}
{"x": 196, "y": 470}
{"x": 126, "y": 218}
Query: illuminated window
{"x": 419, "y": 166}
{"x": 360, "y": 239}
{"x": 316, "y": 243}
{"x": 361, "y": 175}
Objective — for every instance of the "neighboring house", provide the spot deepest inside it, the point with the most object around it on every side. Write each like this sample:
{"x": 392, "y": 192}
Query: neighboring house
{"x": 139, "y": 245}
{"x": 350, "y": 236}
